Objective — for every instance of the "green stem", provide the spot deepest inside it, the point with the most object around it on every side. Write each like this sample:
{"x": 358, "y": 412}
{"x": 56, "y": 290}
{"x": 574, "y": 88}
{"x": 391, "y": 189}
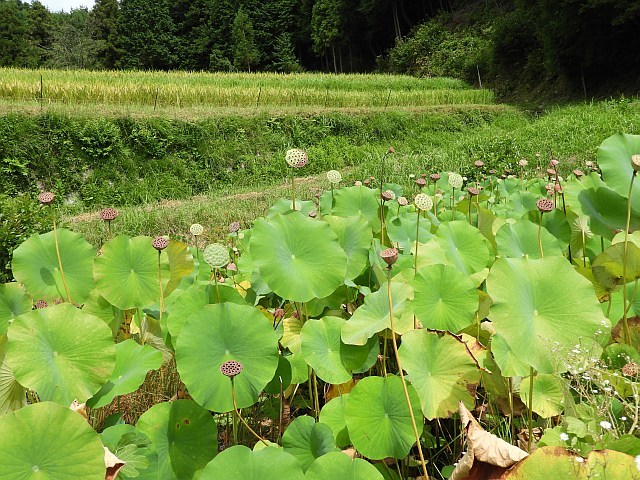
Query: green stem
{"x": 539, "y": 237}
{"x": 625, "y": 325}
{"x": 235, "y": 408}
{"x": 530, "y": 406}
{"x": 64, "y": 280}
{"x": 470, "y": 200}
{"x": 293, "y": 191}
{"x": 215, "y": 277}
{"x": 453, "y": 201}
{"x": 160, "y": 283}
{"x": 384, "y": 356}
{"x": 404, "y": 383}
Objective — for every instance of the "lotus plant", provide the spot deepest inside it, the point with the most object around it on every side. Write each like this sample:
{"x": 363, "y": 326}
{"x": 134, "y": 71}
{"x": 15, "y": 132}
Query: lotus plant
{"x": 295, "y": 158}
{"x": 334, "y": 177}
{"x": 455, "y": 180}
{"x": 217, "y": 256}
{"x": 160, "y": 243}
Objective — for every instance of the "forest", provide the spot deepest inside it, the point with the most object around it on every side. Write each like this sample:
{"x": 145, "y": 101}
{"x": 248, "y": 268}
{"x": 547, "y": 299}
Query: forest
{"x": 576, "y": 47}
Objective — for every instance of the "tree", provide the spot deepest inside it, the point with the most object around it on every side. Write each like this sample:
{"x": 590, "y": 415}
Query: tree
{"x": 14, "y": 33}
{"x": 103, "y": 27}
{"x": 285, "y": 59}
{"x": 326, "y": 27}
{"x": 245, "y": 52}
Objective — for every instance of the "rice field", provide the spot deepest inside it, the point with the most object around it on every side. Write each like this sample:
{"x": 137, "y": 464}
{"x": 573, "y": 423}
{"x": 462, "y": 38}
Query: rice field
{"x": 162, "y": 90}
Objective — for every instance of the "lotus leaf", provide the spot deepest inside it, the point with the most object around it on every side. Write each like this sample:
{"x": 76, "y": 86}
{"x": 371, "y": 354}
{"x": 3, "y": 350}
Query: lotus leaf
{"x": 614, "y": 160}
{"x": 46, "y": 441}
{"x": 35, "y": 264}
{"x": 521, "y": 239}
{"x": 373, "y": 316}
{"x": 218, "y": 333}
{"x": 332, "y": 414}
{"x": 240, "y": 463}
{"x": 284, "y": 205}
{"x": 606, "y": 210}
{"x": 281, "y": 379}
{"x": 442, "y": 371}
{"x": 358, "y": 201}
{"x": 61, "y": 352}
{"x": 444, "y": 298}
{"x": 541, "y": 306}
{"x": 184, "y": 435}
{"x": 299, "y": 258}
{"x": 133, "y": 448}
{"x": 378, "y": 418}
{"x": 181, "y": 264}
{"x": 14, "y": 301}
{"x": 337, "y": 465}
{"x": 402, "y": 230}
{"x": 323, "y": 350}
{"x": 509, "y": 364}
{"x": 307, "y": 440}
{"x": 548, "y": 394}
{"x": 12, "y": 394}
{"x": 127, "y": 272}
{"x": 609, "y": 264}
{"x": 133, "y": 362}
{"x": 354, "y": 236}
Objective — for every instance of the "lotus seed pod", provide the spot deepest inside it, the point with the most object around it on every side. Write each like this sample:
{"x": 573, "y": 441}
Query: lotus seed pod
{"x": 423, "y": 175}
{"x": 631, "y": 369}
{"x": 557, "y": 188}
{"x": 635, "y": 162}
{"x": 108, "y": 214}
{"x": 545, "y": 205}
{"x": 196, "y": 229}
{"x": 551, "y": 172}
{"x": 553, "y": 162}
{"x": 216, "y": 255}
{"x": 421, "y": 182}
{"x": 423, "y": 201}
{"x": 160, "y": 243}
{"x": 402, "y": 201}
{"x": 492, "y": 172}
{"x": 455, "y": 180}
{"x": 578, "y": 173}
{"x": 391, "y": 150}
{"x": 296, "y": 158}
{"x": 388, "y": 195}
{"x": 390, "y": 256}
{"x": 234, "y": 227}
{"x": 434, "y": 177}
{"x": 278, "y": 313}
{"x": 589, "y": 163}
{"x": 41, "y": 304}
{"x": 366, "y": 182}
{"x": 232, "y": 267}
{"x": 313, "y": 214}
{"x": 231, "y": 368}
{"x": 479, "y": 163}
{"x": 523, "y": 162}
{"x": 46, "y": 198}
{"x": 473, "y": 191}
{"x": 334, "y": 176}
{"x": 357, "y": 183}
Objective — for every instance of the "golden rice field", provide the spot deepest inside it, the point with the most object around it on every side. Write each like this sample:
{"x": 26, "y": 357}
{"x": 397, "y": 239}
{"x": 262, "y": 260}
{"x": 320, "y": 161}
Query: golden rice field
{"x": 162, "y": 90}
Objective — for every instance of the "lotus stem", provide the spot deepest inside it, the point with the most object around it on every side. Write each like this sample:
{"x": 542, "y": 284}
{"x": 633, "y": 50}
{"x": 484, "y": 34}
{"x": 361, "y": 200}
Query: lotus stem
{"x": 415, "y": 258}
{"x": 404, "y": 383}
{"x": 381, "y": 221}
{"x": 215, "y": 277}
{"x": 530, "y": 409}
{"x": 64, "y": 280}
{"x": 237, "y": 410}
{"x": 453, "y": 201}
{"x": 539, "y": 235}
{"x": 564, "y": 209}
{"x": 625, "y": 324}
{"x": 160, "y": 283}
{"x": 384, "y": 356}
{"x": 511, "y": 424}
{"x": 316, "y": 399}
{"x": 293, "y": 191}
{"x": 470, "y": 201}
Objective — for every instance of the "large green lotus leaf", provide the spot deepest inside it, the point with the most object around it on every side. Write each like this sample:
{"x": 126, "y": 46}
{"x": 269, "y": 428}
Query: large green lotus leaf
{"x": 281, "y": 379}
{"x": 540, "y": 305}
{"x": 323, "y": 350}
{"x": 133, "y": 362}
{"x": 291, "y": 334}
{"x": 45, "y": 441}
{"x": 218, "y": 333}
{"x": 378, "y": 418}
{"x": 332, "y": 414}
{"x": 614, "y": 160}
{"x": 61, "y": 352}
{"x": 521, "y": 202}
{"x": 358, "y": 201}
{"x": 373, "y": 316}
{"x": 608, "y": 266}
{"x": 442, "y": 371}
{"x": 35, "y": 264}
{"x": 464, "y": 246}
{"x": 307, "y": 440}
{"x": 337, "y": 465}
{"x": 12, "y": 394}
{"x": 240, "y": 463}
{"x": 548, "y": 394}
{"x": 298, "y": 257}
{"x": 354, "y": 236}
{"x": 284, "y": 205}
{"x": 181, "y": 264}
{"x": 607, "y": 211}
{"x": 401, "y": 230}
{"x": 14, "y": 301}
{"x": 510, "y": 365}
{"x": 521, "y": 238}
{"x": 193, "y": 299}
{"x": 184, "y": 435}
{"x": 558, "y": 462}
{"x": 97, "y": 305}
{"x": 444, "y": 299}
{"x": 127, "y": 272}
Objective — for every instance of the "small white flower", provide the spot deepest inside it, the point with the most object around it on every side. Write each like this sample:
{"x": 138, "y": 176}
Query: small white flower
{"x": 564, "y": 437}
{"x": 579, "y": 459}
{"x": 623, "y": 418}
{"x": 595, "y": 390}
{"x": 605, "y": 425}
{"x": 575, "y": 350}
{"x": 606, "y": 382}
{"x": 607, "y": 389}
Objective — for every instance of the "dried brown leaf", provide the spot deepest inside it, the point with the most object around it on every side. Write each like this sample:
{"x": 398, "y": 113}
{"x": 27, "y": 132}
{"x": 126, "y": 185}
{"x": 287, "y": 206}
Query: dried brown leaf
{"x": 112, "y": 464}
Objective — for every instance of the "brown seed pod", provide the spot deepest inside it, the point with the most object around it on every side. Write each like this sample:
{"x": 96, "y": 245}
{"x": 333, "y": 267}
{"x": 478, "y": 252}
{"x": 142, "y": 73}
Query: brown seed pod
{"x": 545, "y": 205}
{"x": 402, "y": 201}
{"x": 630, "y": 369}
{"x": 434, "y": 177}
{"x": 46, "y": 198}
{"x": 108, "y": 214}
{"x": 313, "y": 214}
{"x": 473, "y": 191}
{"x": 479, "y": 163}
{"x": 234, "y": 227}
{"x": 421, "y": 182}
{"x": 41, "y": 304}
{"x": 232, "y": 267}
{"x": 390, "y": 256}
{"x": 160, "y": 243}
{"x": 551, "y": 172}
{"x": 231, "y": 368}
{"x": 578, "y": 173}
{"x": 278, "y": 313}
{"x": 553, "y": 162}
{"x": 388, "y": 195}
{"x": 492, "y": 172}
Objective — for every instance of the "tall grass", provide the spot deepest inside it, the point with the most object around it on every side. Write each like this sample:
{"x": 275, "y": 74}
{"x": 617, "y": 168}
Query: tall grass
{"x": 232, "y": 90}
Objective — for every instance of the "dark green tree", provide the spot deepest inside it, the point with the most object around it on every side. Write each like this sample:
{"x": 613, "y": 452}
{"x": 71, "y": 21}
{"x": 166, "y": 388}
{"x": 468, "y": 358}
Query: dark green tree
{"x": 326, "y": 27}
{"x": 103, "y": 27}
{"x": 73, "y": 46}
{"x": 14, "y": 34}
{"x": 284, "y": 58}
{"x": 245, "y": 51}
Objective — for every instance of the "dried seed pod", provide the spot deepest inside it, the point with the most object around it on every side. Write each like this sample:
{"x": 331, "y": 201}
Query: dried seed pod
{"x": 434, "y": 177}
{"x": 160, "y": 243}
{"x": 473, "y": 191}
{"x": 545, "y": 205}
{"x": 334, "y": 176}
{"x": 388, "y": 195}
{"x": 231, "y": 368}
{"x": 232, "y": 267}
{"x": 421, "y": 182}
{"x": 523, "y": 162}
{"x": 216, "y": 255}
{"x": 46, "y": 198}
{"x": 423, "y": 201}
{"x": 196, "y": 229}
{"x": 234, "y": 227}
{"x": 389, "y": 255}
{"x": 478, "y": 164}
{"x": 631, "y": 369}
{"x": 41, "y": 304}
{"x": 402, "y": 201}
{"x": 455, "y": 180}
{"x": 313, "y": 213}
{"x": 278, "y": 313}
{"x": 296, "y": 158}
{"x": 108, "y": 214}
{"x": 635, "y": 162}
